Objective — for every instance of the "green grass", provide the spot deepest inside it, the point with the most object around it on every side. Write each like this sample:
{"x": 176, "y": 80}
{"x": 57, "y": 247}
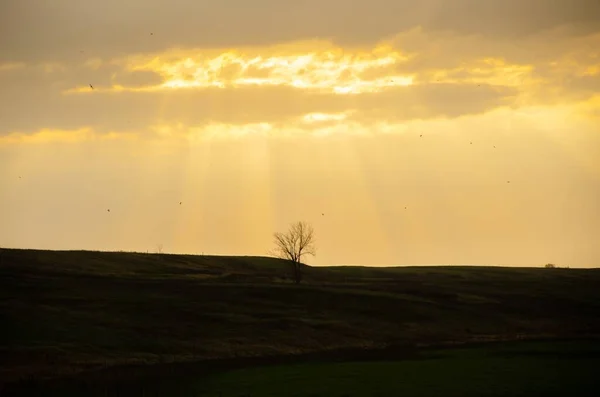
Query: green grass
{"x": 67, "y": 312}
{"x": 558, "y": 368}
{"x": 456, "y": 373}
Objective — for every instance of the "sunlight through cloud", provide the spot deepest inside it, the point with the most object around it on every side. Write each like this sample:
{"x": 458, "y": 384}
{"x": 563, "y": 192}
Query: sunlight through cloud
{"x": 47, "y": 135}
{"x": 321, "y": 117}
{"x": 330, "y": 70}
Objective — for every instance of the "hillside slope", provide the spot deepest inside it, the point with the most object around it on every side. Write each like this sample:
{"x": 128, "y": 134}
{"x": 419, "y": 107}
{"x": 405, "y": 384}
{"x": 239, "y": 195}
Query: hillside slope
{"x": 65, "y": 311}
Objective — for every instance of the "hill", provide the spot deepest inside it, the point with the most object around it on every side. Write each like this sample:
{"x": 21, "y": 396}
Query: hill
{"x": 67, "y": 311}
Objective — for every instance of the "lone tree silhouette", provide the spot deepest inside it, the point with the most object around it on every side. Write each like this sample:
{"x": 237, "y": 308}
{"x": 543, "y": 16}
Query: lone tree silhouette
{"x": 297, "y": 242}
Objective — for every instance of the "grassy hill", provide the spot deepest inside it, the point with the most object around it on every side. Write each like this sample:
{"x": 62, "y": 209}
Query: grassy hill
{"x": 68, "y": 311}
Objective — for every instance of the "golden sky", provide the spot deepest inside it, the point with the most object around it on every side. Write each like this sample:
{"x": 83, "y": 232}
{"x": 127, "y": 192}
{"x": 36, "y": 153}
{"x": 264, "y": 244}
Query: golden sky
{"x": 431, "y": 132}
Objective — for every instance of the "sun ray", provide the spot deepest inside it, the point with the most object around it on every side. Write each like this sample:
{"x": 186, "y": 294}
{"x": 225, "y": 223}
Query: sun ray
{"x": 370, "y": 215}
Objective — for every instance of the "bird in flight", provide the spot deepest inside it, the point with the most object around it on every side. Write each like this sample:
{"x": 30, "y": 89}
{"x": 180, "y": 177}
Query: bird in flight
{"x": 471, "y": 143}
{"x": 421, "y": 136}
{"x": 180, "y": 203}
{"x": 91, "y": 86}
{"x": 108, "y": 210}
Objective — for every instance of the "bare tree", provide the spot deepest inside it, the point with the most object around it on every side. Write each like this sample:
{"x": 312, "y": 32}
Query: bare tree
{"x": 297, "y": 242}
{"x": 159, "y": 251}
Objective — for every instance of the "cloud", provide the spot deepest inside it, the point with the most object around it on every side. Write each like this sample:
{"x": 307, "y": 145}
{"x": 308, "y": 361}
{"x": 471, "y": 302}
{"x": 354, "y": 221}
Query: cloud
{"x": 543, "y": 67}
{"x": 513, "y": 19}
{"x": 433, "y": 101}
{"x": 47, "y": 135}
{"x": 492, "y": 126}
{"x": 320, "y": 118}
{"x": 582, "y": 87}
{"x": 418, "y": 74}
{"x": 136, "y": 78}
{"x": 443, "y": 50}
{"x": 37, "y": 30}
{"x": 273, "y": 84}
{"x": 591, "y": 110}
{"x": 9, "y": 66}
{"x": 137, "y": 111}
{"x": 412, "y": 57}
{"x": 555, "y": 49}
{"x": 316, "y": 65}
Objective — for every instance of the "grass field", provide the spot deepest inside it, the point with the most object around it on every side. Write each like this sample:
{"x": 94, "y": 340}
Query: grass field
{"x": 64, "y": 313}
{"x": 557, "y": 368}
{"x": 550, "y": 369}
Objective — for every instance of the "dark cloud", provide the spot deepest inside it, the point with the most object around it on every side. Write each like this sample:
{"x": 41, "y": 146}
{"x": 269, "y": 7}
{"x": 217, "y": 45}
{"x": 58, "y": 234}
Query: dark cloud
{"x": 589, "y": 84}
{"x": 136, "y": 111}
{"x": 583, "y": 86}
{"x": 137, "y": 78}
{"x": 433, "y": 100}
{"x": 432, "y": 51}
{"x": 61, "y": 29}
{"x": 513, "y": 18}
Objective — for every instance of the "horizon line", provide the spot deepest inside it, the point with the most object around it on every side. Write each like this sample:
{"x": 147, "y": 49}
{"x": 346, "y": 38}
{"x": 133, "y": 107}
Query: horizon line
{"x": 557, "y": 266}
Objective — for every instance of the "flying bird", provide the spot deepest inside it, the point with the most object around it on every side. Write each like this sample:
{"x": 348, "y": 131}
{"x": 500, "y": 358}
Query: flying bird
{"x": 471, "y": 143}
{"x": 108, "y": 210}
{"x": 421, "y": 135}
{"x": 91, "y": 86}
{"x": 180, "y": 203}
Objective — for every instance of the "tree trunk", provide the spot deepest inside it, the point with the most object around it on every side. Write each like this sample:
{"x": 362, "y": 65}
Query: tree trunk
{"x": 297, "y": 272}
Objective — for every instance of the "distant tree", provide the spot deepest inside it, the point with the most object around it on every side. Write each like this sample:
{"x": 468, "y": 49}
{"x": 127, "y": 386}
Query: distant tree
{"x": 550, "y": 266}
{"x": 159, "y": 251}
{"x": 294, "y": 244}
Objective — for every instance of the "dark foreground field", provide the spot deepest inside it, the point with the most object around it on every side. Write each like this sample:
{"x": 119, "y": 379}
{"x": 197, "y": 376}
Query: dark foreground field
{"x": 524, "y": 368}
{"x": 109, "y": 318}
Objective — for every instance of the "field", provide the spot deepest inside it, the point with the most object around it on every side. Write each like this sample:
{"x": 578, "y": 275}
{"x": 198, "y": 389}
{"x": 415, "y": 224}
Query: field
{"x": 117, "y": 317}
{"x": 523, "y": 368}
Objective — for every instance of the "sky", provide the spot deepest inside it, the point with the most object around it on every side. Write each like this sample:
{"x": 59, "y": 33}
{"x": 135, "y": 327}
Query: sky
{"x": 405, "y": 133}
